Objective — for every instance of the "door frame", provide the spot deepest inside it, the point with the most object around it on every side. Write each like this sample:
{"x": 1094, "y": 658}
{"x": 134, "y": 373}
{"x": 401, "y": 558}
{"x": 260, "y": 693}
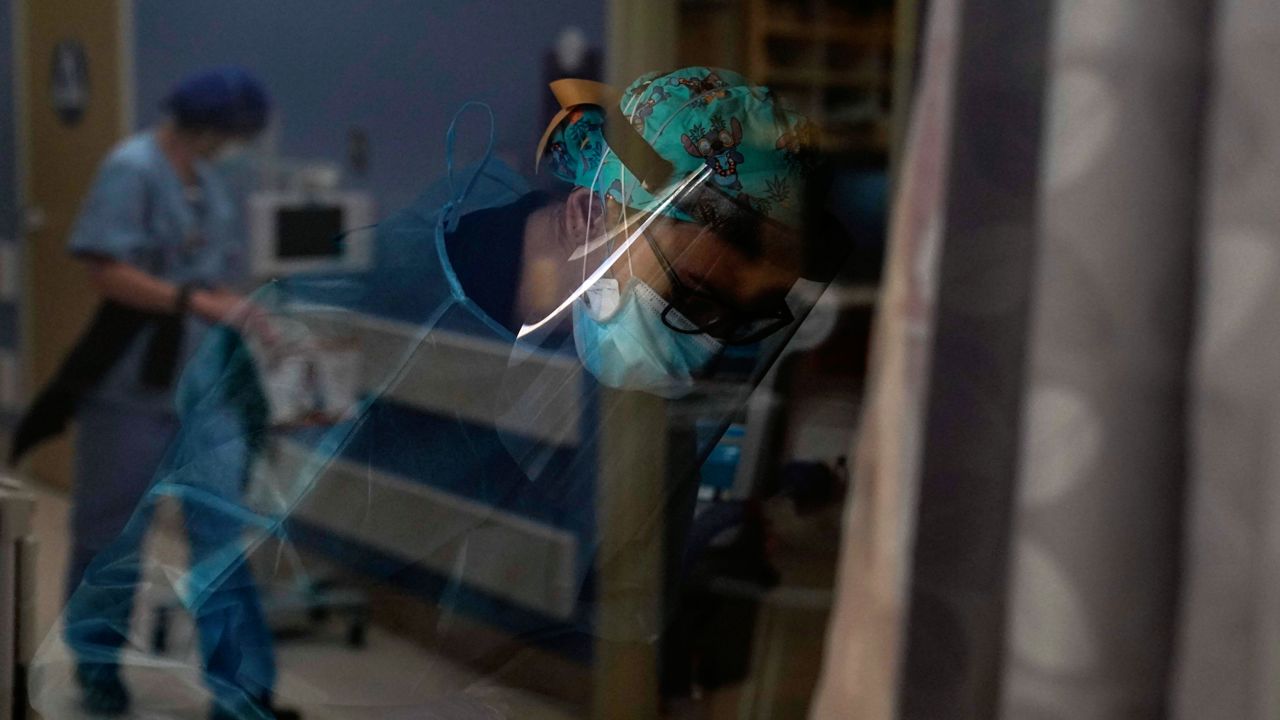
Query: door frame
{"x": 29, "y": 216}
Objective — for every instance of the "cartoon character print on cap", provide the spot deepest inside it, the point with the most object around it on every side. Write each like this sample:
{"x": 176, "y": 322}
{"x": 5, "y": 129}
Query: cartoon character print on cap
{"x": 586, "y": 133}
{"x": 708, "y": 89}
{"x": 644, "y": 110}
{"x": 561, "y": 162}
{"x": 716, "y": 147}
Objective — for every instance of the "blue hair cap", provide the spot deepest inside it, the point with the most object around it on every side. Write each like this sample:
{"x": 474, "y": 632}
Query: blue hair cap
{"x": 227, "y": 99}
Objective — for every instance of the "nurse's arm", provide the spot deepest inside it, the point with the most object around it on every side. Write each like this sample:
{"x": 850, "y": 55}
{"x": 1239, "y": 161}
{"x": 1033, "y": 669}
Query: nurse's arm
{"x": 128, "y": 285}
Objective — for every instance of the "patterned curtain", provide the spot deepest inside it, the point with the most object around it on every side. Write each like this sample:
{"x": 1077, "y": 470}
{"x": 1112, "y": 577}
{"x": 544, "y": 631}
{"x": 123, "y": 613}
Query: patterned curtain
{"x": 1228, "y": 638}
{"x": 1098, "y": 508}
{"x": 1140, "y": 541}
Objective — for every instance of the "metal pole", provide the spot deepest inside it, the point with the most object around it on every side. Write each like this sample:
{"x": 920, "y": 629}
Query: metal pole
{"x": 16, "y": 558}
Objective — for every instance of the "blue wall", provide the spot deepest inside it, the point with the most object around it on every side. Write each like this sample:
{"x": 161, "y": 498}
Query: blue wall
{"x": 398, "y": 68}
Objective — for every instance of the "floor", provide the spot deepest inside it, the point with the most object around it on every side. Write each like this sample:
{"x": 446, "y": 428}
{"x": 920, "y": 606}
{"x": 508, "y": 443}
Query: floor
{"x": 395, "y": 678}
{"x": 323, "y": 678}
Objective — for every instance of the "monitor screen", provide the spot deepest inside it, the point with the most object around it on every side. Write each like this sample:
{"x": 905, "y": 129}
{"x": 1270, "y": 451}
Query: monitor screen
{"x": 308, "y": 232}
{"x": 293, "y": 232}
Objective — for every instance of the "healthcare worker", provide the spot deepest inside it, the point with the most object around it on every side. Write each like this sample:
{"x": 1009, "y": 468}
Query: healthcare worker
{"x": 673, "y": 263}
{"x": 160, "y": 234}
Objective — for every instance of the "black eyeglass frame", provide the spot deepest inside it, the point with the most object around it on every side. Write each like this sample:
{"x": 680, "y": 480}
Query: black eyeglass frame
{"x": 722, "y": 327}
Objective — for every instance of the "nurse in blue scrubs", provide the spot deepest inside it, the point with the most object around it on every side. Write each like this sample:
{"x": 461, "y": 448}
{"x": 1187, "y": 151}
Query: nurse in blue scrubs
{"x": 160, "y": 233}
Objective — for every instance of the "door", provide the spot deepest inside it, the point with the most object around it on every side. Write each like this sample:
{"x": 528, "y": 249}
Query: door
{"x": 71, "y": 109}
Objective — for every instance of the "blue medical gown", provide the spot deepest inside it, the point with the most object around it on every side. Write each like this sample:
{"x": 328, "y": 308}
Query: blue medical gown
{"x": 413, "y": 318}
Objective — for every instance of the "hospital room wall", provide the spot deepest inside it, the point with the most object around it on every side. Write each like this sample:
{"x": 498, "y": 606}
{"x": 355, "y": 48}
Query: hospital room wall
{"x": 398, "y": 69}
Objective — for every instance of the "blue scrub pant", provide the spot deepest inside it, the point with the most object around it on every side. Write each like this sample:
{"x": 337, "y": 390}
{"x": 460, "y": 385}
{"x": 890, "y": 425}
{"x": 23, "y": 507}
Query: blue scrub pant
{"x": 117, "y": 456}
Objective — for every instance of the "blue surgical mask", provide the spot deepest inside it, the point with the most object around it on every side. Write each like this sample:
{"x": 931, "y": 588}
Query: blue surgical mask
{"x": 232, "y": 153}
{"x": 623, "y": 342}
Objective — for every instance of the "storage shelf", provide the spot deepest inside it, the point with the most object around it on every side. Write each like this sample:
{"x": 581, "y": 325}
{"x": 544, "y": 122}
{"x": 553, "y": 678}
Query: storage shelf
{"x": 859, "y": 35}
{"x": 826, "y": 79}
{"x": 834, "y": 67}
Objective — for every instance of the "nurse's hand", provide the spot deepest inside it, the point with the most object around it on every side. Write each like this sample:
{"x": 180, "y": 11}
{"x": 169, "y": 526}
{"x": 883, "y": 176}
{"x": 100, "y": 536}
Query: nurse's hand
{"x": 215, "y": 306}
{"x": 227, "y": 308}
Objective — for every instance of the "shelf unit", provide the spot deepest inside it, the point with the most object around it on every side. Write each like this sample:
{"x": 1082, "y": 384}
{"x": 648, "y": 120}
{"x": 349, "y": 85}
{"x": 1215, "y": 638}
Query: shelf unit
{"x": 830, "y": 59}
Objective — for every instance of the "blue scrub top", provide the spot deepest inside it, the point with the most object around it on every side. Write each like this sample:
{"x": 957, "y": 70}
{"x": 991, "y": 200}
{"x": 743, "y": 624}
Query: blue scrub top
{"x": 139, "y": 212}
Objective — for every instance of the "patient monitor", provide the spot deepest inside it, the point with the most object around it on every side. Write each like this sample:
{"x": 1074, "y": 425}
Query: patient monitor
{"x": 303, "y": 232}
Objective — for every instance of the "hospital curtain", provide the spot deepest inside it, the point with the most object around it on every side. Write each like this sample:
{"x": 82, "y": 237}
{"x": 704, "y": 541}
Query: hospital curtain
{"x": 1128, "y": 563}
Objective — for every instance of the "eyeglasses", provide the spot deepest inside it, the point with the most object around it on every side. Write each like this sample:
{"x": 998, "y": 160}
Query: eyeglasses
{"x": 693, "y": 312}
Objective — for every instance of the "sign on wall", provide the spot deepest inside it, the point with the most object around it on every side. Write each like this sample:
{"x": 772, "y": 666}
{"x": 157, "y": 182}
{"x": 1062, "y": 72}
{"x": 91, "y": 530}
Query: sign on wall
{"x": 70, "y": 86}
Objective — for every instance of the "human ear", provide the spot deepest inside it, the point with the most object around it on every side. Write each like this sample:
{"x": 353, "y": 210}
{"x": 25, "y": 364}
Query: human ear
{"x": 583, "y": 214}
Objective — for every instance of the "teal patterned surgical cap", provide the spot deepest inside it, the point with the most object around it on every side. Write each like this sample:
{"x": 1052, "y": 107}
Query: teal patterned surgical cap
{"x": 756, "y": 151}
